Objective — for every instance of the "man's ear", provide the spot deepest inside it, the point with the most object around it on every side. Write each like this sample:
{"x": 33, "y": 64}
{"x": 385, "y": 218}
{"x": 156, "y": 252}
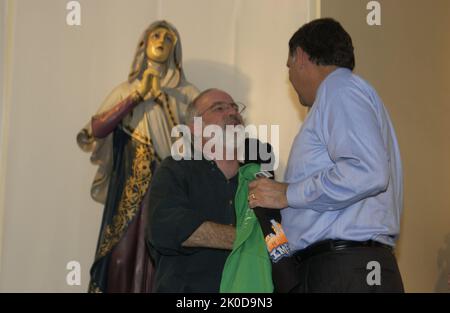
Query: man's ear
{"x": 300, "y": 57}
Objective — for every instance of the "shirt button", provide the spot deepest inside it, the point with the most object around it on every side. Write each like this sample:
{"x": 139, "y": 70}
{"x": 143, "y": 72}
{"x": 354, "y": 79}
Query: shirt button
{"x": 231, "y": 202}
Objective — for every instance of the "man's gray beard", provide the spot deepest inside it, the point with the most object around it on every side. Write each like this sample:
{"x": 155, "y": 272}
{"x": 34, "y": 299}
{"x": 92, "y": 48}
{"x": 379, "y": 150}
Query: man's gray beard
{"x": 233, "y": 140}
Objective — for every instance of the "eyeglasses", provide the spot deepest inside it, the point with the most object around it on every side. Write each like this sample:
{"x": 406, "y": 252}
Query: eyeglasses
{"x": 219, "y": 107}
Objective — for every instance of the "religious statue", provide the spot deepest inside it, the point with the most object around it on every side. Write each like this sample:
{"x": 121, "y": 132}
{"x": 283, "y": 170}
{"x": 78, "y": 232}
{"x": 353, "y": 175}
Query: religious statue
{"x": 127, "y": 138}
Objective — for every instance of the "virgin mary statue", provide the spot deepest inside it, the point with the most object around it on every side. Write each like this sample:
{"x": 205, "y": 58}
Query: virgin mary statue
{"x": 127, "y": 138}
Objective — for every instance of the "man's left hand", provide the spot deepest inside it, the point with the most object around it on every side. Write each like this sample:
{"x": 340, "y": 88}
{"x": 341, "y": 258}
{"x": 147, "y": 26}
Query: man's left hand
{"x": 267, "y": 193}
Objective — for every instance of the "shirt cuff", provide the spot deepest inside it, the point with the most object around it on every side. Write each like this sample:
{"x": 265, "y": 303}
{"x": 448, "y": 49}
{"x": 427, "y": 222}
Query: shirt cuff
{"x": 293, "y": 195}
{"x": 168, "y": 236}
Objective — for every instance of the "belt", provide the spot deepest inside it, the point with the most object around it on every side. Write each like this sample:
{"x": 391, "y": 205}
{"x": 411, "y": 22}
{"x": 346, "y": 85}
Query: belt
{"x": 336, "y": 245}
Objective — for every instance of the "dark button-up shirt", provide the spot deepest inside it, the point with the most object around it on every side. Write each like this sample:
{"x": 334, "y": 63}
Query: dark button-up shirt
{"x": 183, "y": 195}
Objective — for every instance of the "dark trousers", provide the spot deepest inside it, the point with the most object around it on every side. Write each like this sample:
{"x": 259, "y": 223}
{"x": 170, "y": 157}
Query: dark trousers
{"x": 350, "y": 270}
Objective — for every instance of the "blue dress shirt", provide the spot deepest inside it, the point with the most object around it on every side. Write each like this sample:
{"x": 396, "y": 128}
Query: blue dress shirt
{"x": 344, "y": 170}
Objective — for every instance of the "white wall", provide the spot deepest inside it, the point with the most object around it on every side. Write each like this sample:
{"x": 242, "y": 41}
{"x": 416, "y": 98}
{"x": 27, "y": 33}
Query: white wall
{"x": 60, "y": 74}
{"x": 2, "y": 45}
{"x": 5, "y": 55}
{"x": 2, "y": 69}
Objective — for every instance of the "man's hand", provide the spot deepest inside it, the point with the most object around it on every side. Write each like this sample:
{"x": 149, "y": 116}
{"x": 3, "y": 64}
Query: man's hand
{"x": 267, "y": 193}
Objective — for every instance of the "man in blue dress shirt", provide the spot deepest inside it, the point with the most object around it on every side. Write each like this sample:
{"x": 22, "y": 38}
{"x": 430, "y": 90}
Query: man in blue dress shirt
{"x": 343, "y": 193}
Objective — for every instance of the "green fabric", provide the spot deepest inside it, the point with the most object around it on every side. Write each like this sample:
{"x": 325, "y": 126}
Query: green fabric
{"x": 248, "y": 267}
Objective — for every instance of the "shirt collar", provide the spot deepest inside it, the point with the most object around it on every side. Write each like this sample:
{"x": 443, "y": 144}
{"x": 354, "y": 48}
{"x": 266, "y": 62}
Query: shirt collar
{"x": 336, "y": 72}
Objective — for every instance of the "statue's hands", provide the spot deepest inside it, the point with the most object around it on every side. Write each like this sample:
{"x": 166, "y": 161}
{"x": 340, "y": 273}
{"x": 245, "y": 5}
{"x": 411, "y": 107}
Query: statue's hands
{"x": 156, "y": 86}
{"x": 150, "y": 83}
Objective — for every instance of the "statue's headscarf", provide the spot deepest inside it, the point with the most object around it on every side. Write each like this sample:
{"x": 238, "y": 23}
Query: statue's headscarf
{"x": 173, "y": 82}
{"x": 174, "y": 72}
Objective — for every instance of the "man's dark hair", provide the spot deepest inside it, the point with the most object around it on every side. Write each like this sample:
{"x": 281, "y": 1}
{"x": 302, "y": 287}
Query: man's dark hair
{"x": 326, "y": 42}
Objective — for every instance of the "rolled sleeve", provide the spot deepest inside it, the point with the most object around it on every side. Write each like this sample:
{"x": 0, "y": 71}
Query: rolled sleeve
{"x": 171, "y": 219}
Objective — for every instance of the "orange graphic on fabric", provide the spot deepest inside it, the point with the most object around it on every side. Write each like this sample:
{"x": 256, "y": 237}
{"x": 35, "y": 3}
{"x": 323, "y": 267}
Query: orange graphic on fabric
{"x": 275, "y": 240}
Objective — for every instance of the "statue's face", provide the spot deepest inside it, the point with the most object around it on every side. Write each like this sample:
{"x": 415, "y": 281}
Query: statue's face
{"x": 160, "y": 44}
